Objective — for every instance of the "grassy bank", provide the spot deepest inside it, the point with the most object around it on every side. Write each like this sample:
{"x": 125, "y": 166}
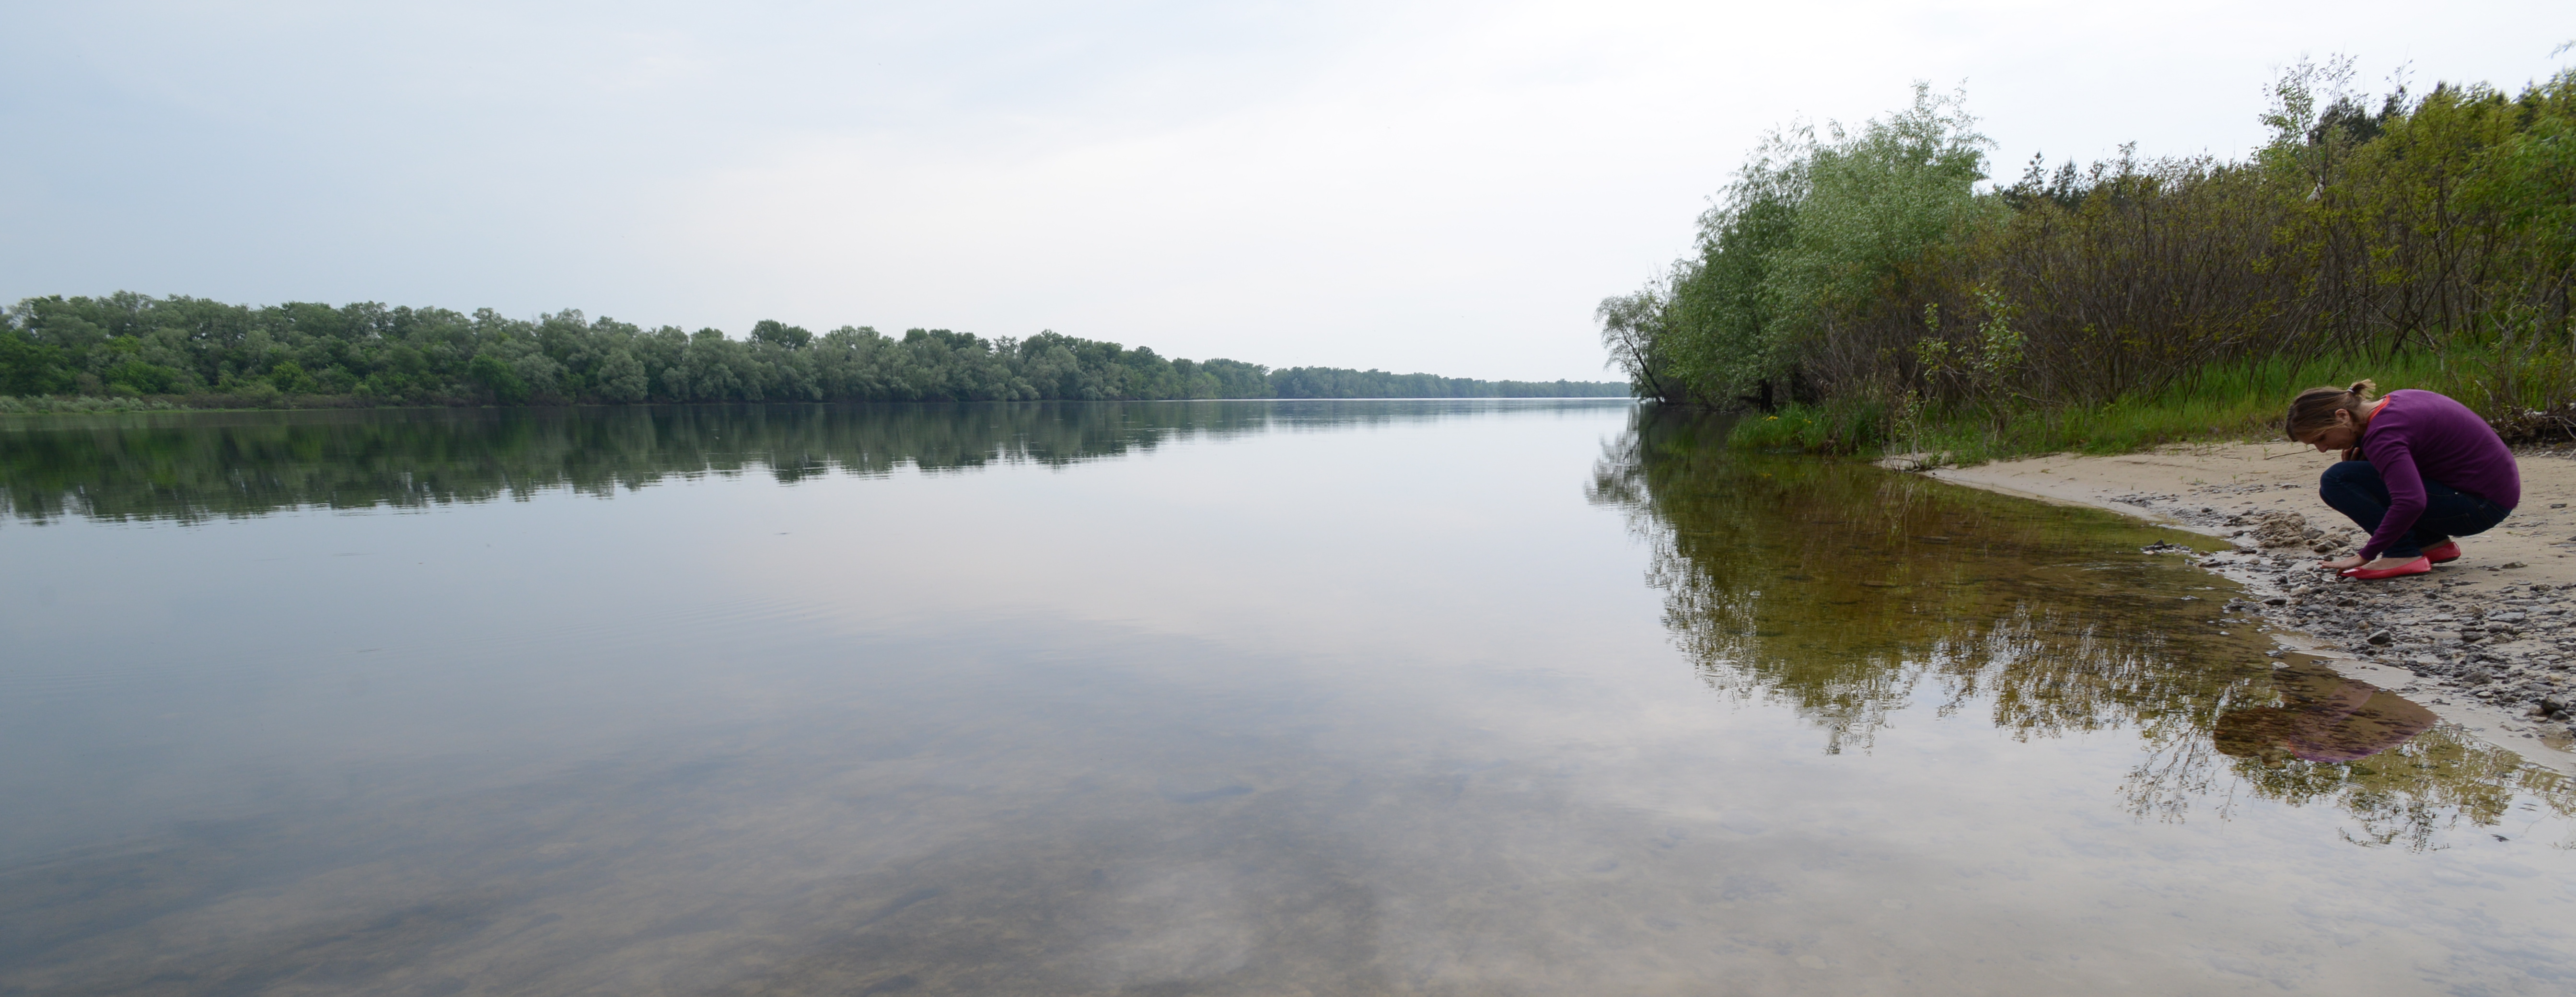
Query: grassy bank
{"x": 83, "y": 405}
{"x": 2220, "y": 402}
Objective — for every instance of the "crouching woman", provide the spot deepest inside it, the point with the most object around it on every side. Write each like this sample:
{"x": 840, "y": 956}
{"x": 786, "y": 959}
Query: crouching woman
{"x": 2418, "y": 469}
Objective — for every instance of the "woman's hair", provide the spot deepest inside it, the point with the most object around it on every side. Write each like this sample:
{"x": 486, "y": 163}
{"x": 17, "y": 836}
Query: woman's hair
{"x": 2314, "y": 409}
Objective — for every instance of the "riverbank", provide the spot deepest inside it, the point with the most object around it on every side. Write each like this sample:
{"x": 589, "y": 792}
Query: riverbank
{"x": 2486, "y": 641}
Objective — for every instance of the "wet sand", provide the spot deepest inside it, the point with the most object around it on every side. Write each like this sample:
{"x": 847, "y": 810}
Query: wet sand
{"x": 2487, "y": 641}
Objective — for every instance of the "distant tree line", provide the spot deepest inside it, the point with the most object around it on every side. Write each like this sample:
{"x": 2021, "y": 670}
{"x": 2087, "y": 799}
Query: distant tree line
{"x": 137, "y": 346}
{"x": 1868, "y": 265}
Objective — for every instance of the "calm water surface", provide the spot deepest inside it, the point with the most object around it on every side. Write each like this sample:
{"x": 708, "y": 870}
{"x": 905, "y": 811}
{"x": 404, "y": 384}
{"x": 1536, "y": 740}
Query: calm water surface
{"x": 1204, "y": 698}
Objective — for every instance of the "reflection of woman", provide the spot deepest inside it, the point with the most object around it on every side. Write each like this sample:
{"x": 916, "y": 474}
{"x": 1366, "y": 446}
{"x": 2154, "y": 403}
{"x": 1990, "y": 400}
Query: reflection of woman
{"x": 2417, "y": 470}
{"x": 2325, "y": 717}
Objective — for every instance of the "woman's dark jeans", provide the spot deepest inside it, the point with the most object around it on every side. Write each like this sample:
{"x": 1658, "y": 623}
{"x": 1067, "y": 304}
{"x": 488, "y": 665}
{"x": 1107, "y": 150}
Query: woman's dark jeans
{"x": 2353, "y": 488}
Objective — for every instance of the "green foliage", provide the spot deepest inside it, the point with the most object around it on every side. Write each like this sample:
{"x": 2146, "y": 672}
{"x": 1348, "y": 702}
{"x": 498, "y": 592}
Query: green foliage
{"x": 489, "y": 371}
{"x": 1812, "y": 232}
{"x": 2377, "y": 233}
{"x": 1720, "y": 315}
{"x": 136, "y": 346}
{"x": 2224, "y": 401}
{"x": 1844, "y": 426}
{"x": 80, "y": 404}
{"x": 1632, "y": 329}
{"x": 28, "y": 367}
{"x": 1874, "y": 203}
{"x": 289, "y": 376}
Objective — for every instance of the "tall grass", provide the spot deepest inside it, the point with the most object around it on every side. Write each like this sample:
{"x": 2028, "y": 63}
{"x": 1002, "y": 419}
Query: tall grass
{"x": 2219, "y": 402}
{"x": 1853, "y": 427}
{"x": 79, "y": 404}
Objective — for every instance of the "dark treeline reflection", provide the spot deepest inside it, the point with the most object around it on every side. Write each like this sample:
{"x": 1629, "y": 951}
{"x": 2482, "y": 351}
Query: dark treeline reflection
{"x": 1849, "y": 594}
{"x": 195, "y": 466}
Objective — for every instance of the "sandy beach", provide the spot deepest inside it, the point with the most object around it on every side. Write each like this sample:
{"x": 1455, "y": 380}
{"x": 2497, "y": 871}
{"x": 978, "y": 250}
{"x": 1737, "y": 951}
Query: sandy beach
{"x": 2486, "y": 641}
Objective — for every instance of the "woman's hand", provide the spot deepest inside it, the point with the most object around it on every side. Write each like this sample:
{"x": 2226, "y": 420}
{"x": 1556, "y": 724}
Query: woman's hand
{"x": 2344, "y": 563}
{"x": 2352, "y": 453}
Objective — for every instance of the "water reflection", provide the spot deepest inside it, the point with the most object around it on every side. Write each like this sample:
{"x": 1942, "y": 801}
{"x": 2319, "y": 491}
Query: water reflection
{"x": 1376, "y": 711}
{"x": 2323, "y": 717}
{"x": 195, "y": 466}
{"x": 1849, "y": 594}
{"x": 2311, "y": 736}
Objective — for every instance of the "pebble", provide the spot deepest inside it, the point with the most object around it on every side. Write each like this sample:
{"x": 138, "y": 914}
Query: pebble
{"x": 2510, "y": 645}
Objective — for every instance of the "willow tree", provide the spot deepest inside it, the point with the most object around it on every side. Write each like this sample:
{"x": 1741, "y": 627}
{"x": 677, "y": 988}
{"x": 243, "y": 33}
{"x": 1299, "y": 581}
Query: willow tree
{"x": 1814, "y": 230}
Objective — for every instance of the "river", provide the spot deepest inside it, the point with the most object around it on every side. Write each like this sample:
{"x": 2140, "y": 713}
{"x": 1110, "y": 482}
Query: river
{"x": 1471, "y": 697}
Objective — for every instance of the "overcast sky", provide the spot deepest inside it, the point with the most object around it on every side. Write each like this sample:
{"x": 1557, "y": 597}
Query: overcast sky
{"x": 1435, "y": 186}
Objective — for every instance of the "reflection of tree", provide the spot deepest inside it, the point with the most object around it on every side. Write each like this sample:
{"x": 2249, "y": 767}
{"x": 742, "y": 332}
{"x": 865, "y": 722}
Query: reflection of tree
{"x": 1846, "y": 592}
{"x": 2312, "y": 736}
{"x": 193, "y": 466}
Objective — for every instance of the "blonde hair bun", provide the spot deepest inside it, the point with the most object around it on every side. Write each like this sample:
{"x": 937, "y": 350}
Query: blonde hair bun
{"x": 2315, "y": 408}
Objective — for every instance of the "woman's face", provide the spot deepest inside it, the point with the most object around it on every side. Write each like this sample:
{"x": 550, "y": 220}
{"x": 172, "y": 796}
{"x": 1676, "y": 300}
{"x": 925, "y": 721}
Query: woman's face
{"x": 2343, "y": 435}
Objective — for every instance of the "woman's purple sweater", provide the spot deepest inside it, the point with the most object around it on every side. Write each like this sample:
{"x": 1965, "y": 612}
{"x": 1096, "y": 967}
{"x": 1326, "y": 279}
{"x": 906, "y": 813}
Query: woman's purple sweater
{"x": 2419, "y": 435}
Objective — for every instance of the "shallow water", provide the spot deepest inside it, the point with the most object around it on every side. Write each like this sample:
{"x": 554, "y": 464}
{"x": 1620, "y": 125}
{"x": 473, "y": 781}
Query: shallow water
{"x": 1443, "y": 697}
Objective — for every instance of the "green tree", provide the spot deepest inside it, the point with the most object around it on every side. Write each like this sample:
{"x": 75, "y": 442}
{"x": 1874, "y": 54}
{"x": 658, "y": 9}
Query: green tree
{"x": 621, "y": 377}
{"x": 1811, "y": 235}
{"x": 290, "y": 377}
{"x": 496, "y": 378}
{"x": 28, "y": 367}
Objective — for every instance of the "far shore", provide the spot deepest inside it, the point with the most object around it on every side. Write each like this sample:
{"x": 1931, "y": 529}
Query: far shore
{"x": 2216, "y": 489}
